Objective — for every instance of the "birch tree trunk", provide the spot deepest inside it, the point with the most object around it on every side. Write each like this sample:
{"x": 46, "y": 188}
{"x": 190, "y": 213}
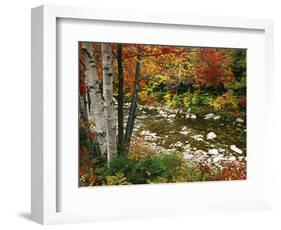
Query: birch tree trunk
{"x": 95, "y": 94}
{"x": 120, "y": 98}
{"x": 108, "y": 102}
{"x": 134, "y": 103}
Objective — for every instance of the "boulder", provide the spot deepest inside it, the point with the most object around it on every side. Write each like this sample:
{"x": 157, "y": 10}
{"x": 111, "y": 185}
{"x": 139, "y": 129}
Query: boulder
{"x": 193, "y": 116}
{"x": 187, "y": 156}
{"x": 162, "y": 113}
{"x": 218, "y": 158}
{"x": 221, "y": 150}
{"x": 185, "y": 132}
{"x": 217, "y": 117}
{"x": 198, "y": 137}
{"x": 239, "y": 120}
{"x": 209, "y": 116}
{"x": 178, "y": 144}
{"x": 145, "y": 132}
{"x": 172, "y": 116}
{"x": 235, "y": 149}
{"x": 211, "y": 136}
{"x": 233, "y": 158}
{"x": 213, "y": 152}
{"x": 200, "y": 152}
{"x": 241, "y": 158}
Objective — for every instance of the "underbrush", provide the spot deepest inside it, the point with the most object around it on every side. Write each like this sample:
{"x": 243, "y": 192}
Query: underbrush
{"x": 154, "y": 169}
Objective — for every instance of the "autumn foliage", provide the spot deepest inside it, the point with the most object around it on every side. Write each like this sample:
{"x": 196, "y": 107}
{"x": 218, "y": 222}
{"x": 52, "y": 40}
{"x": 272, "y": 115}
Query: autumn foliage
{"x": 196, "y": 79}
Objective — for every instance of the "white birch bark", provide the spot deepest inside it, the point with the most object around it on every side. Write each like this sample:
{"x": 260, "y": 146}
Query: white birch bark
{"x": 96, "y": 102}
{"x": 110, "y": 123}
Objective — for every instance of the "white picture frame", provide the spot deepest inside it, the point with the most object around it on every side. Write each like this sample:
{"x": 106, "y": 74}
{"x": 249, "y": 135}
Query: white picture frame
{"x": 45, "y": 162}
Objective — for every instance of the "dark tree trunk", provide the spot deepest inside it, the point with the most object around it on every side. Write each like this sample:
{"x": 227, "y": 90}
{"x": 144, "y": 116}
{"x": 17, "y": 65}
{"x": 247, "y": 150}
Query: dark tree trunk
{"x": 120, "y": 99}
{"x": 134, "y": 103}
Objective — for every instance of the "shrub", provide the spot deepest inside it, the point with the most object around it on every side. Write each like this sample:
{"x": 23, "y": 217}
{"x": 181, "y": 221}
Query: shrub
{"x": 117, "y": 179}
{"x": 167, "y": 98}
{"x": 140, "y": 150}
{"x": 187, "y": 99}
{"x": 231, "y": 171}
{"x": 227, "y": 101}
{"x": 138, "y": 171}
{"x": 201, "y": 99}
{"x": 165, "y": 168}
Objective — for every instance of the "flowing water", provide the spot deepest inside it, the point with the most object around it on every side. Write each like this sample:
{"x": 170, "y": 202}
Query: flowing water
{"x": 174, "y": 129}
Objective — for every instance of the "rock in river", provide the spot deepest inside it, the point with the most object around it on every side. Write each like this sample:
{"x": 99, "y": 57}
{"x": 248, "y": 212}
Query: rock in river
{"x": 235, "y": 149}
{"x": 217, "y": 159}
{"x": 217, "y": 117}
{"x": 184, "y": 132}
{"x": 172, "y": 116}
{"x": 221, "y": 150}
{"x": 209, "y": 116}
{"x": 211, "y": 136}
{"x": 193, "y": 116}
{"x": 239, "y": 120}
{"x": 232, "y": 158}
{"x": 200, "y": 152}
{"x": 213, "y": 151}
{"x": 178, "y": 144}
{"x": 198, "y": 137}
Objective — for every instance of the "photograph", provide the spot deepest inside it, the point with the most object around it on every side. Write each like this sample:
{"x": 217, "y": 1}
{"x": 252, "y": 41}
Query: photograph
{"x": 151, "y": 114}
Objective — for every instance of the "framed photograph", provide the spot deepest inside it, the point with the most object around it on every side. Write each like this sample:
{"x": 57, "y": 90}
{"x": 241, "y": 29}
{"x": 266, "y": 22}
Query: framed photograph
{"x": 141, "y": 114}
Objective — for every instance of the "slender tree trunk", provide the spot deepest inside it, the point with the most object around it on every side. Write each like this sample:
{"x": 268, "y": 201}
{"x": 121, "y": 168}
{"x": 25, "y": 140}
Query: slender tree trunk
{"x": 108, "y": 102}
{"x": 95, "y": 95}
{"x": 134, "y": 103}
{"x": 83, "y": 111}
{"x": 120, "y": 98}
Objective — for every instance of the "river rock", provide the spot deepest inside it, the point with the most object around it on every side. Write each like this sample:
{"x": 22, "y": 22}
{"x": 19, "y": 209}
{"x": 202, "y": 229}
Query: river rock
{"x": 199, "y": 156}
{"x": 187, "y": 115}
{"x": 235, "y": 149}
{"x": 187, "y": 156}
{"x": 213, "y": 152}
{"x": 193, "y": 116}
{"x": 233, "y": 158}
{"x": 178, "y": 144}
{"x": 148, "y": 136}
{"x": 172, "y": 116}
{"x": 145, "y": 132}
{"x": 209, "y": 116}
{"x": 198, "y": 137}
{"x": 239, "y": 120}
{"x": 217, "y": 117}
{"x": 185, "y": 132}
{"x": 151, "y": 137}
{"x": 216, "y": 159}
{"x": 211, "y": 136}
{"x": 200, "y": 152}
{"x": 240, "y": 158}
{"x": 221, "y": 150}
{"x": 162, "y": 113}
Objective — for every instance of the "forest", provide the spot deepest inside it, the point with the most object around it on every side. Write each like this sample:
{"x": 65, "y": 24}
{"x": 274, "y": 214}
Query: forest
{"x": 153, "y": 114}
